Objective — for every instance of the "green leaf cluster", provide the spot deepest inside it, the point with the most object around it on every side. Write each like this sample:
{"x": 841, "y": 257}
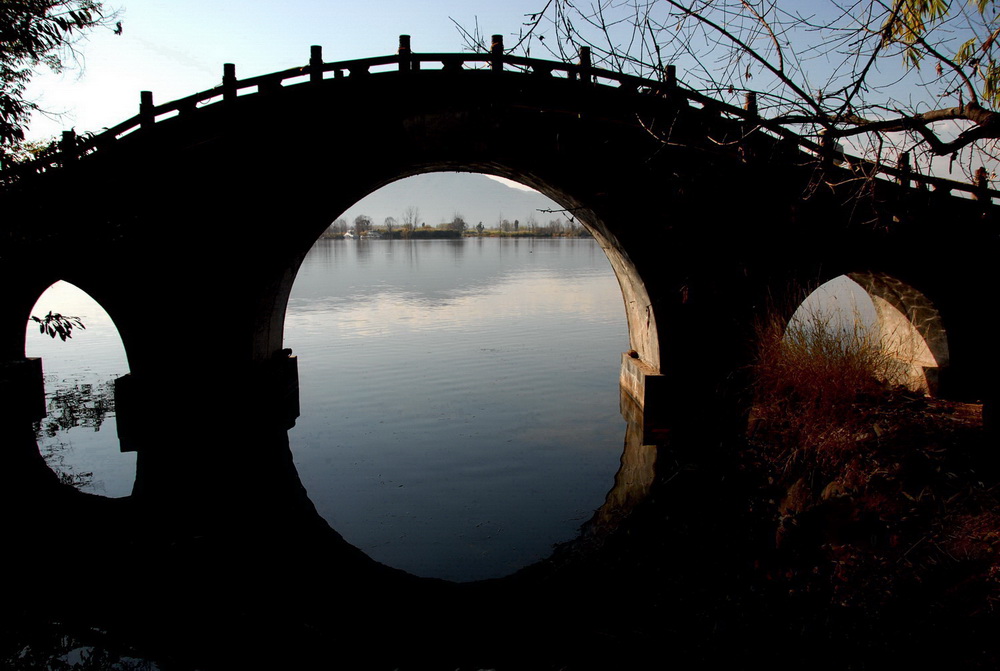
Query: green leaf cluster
{"x": 910, "y": 21}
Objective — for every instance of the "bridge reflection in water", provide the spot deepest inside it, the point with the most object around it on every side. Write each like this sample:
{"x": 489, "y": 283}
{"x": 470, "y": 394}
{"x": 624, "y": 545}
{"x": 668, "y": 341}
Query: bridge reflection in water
{"x": 251, "y": 572}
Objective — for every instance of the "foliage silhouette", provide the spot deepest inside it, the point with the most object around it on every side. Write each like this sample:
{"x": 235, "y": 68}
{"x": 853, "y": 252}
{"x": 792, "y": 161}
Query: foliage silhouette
{"x": 35, "y": 34}
{"x": 55, "y": 324}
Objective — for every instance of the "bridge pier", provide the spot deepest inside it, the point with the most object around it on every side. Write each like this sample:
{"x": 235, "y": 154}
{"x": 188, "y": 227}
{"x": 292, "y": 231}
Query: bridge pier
{"x": 22, "y": 390}
{"x": 264, "y": 390}
{"x": 211, "y": 441}
{"x": 647, "y": 389}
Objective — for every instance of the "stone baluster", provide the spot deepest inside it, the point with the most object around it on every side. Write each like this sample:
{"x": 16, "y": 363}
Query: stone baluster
{"x": 315, "y": 63}
{"x": 146, "y": 116}
{"x": 67, "y": 145}
{"x": 670, "y": 77}
{"x": 404, "y": 53}
{"x": 982, "y": 185}
{"x": 228, "y": 82}
{"x": 496, "y": 51}
{"x": 585, "y": 74}
{"x": 903, "y": 165}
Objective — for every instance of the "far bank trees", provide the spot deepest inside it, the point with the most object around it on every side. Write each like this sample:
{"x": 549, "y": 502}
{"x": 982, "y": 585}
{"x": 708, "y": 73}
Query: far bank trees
{"x": 457, "y": 224}
{"x": 362, "y": 224}
{"x": 411, "y": 218}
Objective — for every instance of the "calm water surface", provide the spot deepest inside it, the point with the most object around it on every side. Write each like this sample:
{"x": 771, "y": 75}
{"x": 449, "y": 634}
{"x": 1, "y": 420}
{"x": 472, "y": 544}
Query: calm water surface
{"x": 79, "y": 437}
{"x": 459, "y": 398}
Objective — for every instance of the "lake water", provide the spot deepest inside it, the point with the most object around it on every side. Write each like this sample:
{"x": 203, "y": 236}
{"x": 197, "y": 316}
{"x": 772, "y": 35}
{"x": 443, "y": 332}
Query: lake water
{"x": 79, "y": 436}
{"x": 459, "y": 399}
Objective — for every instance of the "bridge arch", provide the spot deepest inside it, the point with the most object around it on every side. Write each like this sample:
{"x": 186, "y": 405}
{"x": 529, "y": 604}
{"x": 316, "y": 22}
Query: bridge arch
{"x": 94, "y": 291}
{"x": 76, "y": 437}
{"x": 895, "y": 316}
{"x": 537, "y": 330}
{"x": 911, "y": 326}
{"x": 643, "y": 339}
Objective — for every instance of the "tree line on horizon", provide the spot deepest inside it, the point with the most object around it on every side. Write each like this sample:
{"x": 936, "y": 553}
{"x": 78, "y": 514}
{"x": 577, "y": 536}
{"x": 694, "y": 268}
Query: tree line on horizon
{"x": 410, "y": 226}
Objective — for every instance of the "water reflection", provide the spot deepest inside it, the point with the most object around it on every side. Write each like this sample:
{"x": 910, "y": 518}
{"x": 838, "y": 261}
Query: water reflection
{"x": 78, "y": 435}
{"x": 459, "y": 409}
{"x": 633, "y": 484}
{"x": 459, "y": 398}
{"x": 436, "y": 271}
{"x": 222, "y": 536}
{"x": 236, "y": 552}
{"x": 70, "y": 406}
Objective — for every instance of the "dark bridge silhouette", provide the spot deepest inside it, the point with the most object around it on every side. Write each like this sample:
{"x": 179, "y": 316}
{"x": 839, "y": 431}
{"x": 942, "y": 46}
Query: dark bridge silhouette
{"x": 204, "y": 208}
{"x": 705, "y": 211}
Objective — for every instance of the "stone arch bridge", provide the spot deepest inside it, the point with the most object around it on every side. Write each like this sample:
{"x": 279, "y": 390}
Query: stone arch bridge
{"x": 205, "y": 206}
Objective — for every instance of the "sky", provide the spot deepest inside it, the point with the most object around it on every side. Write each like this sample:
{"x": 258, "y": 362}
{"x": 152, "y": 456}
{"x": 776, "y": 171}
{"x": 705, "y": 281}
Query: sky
{"x": 440, "y": 196}
{"x": 177, "y": 47}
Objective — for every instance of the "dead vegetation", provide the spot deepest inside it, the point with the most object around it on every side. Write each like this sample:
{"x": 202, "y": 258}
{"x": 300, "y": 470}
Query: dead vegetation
{"x": 878, "y": 495}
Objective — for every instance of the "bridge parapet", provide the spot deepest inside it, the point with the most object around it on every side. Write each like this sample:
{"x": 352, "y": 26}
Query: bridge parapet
{"x": 319, "y": 73}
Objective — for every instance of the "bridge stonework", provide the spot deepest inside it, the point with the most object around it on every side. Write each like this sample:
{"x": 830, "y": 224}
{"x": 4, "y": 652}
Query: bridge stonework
{"x": 707, "y": 221}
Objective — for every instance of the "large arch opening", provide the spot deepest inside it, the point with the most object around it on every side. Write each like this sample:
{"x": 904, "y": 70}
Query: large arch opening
{"x": 77, "y": 437}
{"x": 459, "y": 392}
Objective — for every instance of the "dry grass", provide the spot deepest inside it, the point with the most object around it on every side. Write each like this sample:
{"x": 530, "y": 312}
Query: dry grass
{"x": 877, "y": 491}
{"x": 819, "y": 379}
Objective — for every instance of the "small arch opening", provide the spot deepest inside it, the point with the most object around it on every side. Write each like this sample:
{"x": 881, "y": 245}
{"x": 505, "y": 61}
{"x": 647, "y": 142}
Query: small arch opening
{"x": 890, "y": 324}
{"x": 459, "y": 389}
{"x": 77, "y": 437}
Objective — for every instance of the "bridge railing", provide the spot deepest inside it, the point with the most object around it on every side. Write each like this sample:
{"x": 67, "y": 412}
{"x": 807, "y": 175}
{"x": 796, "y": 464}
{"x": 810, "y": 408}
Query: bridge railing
{"x": 317, "y": 71}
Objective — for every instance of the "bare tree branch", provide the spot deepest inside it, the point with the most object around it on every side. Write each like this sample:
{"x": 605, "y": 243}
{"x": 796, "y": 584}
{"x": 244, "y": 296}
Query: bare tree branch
{"x": 846, "y": 68}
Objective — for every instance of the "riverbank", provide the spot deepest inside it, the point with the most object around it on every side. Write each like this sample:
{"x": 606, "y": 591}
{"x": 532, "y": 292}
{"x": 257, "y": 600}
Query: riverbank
{"x": 888, "y": 531}
{"x": 874, "y": 505}
{"x": 446, "y": 234}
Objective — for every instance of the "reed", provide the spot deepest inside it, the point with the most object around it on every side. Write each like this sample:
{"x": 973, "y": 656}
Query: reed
{"x": 820, "y": 379}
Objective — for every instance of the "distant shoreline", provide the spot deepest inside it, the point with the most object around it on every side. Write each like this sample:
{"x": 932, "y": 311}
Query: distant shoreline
{"x": 439, "y": 234}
